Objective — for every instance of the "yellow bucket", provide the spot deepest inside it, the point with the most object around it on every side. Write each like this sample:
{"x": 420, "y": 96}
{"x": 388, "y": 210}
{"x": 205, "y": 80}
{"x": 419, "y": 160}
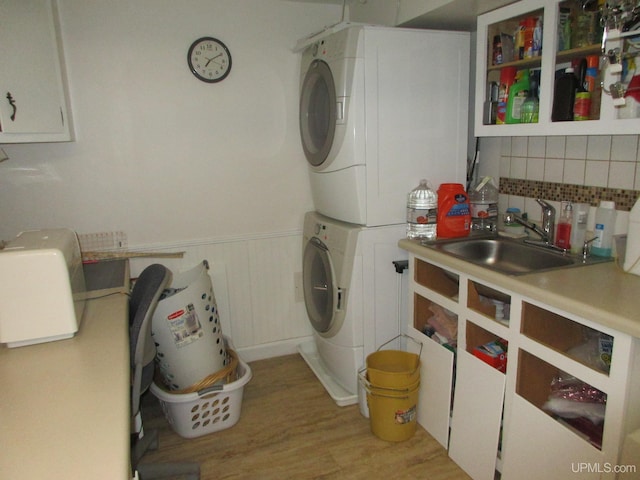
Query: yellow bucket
{"x": 393, "y": 368}
{"x": 392, "y": 413}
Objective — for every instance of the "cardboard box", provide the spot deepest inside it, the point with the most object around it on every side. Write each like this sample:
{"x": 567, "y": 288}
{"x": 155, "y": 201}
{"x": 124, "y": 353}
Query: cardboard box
{"x": 494, "y": 354}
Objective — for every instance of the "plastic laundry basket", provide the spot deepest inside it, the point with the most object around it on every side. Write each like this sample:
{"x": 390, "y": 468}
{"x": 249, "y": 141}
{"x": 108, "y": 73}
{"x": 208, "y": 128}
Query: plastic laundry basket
{"x": 210, "y": 410}
{"x": 186, "y": 329}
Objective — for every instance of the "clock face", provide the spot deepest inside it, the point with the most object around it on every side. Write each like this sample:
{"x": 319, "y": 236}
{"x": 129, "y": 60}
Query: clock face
{"x": 209, "y": 59}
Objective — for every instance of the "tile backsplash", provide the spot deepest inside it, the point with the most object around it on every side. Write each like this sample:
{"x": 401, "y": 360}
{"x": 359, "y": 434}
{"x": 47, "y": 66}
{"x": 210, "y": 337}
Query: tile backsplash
{"x": 577, "y": 168}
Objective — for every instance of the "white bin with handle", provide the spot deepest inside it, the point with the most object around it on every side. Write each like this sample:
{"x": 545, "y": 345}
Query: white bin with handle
{"x": 186, "y": 329}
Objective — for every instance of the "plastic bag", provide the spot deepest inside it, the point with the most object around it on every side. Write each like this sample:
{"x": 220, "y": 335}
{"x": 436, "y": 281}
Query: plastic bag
{"x": 572, "y": 398}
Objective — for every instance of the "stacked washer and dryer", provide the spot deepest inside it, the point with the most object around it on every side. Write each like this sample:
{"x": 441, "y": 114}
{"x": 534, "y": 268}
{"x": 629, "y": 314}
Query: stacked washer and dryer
{"x": 380, "y": 109}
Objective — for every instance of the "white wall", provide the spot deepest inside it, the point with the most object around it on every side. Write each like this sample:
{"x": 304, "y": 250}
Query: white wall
{"x": 215, "y": 170}
{"x": 159, "y": 154}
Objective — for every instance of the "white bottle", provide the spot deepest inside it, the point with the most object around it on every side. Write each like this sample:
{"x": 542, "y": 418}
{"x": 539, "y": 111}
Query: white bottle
{"x": 483, "y": 202}
{"x": 605, "y": 222}
{"x": 579, "y": 226}
{"x": 632, "y": 255}
{"x": 422, "y": 212}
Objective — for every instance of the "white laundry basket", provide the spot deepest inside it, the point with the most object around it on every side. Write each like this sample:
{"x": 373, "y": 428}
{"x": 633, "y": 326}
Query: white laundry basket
{"x": 209, "y": 410}
{"x": 186, "y": 330}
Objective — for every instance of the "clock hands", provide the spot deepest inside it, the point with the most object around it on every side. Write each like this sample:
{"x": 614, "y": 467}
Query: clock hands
{"x": 209, "y": 60}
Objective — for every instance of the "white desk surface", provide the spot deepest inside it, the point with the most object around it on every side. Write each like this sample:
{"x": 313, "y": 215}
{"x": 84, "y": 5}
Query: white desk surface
{"x": 64, "y": 405}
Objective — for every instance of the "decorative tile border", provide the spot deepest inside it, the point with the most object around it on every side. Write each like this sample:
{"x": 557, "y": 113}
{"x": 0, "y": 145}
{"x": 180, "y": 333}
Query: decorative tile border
{"x": 625, "y": 199}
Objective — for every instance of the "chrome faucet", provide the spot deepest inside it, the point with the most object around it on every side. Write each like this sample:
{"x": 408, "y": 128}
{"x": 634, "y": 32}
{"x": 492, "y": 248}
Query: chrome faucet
{"x": 548, "y": 220}
{"x": 546, "y": 231}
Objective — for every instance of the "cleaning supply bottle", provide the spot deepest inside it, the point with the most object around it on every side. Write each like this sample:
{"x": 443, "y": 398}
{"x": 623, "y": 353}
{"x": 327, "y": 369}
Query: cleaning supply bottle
{"x": 605, "y": 223}
{"x": 531, "y": 105}
{"x": 580, "y": 216}
{"x": 483, "y": 202}
{"x": 454, "y": 217}
{"x": 517, "y": 95}
{"x": 507, "y": 77}
{"x": 582, "y": 103}
{"x": 422, "y": 212}
{"x": 564, "y": 96}
{"x": 563, "y": 229}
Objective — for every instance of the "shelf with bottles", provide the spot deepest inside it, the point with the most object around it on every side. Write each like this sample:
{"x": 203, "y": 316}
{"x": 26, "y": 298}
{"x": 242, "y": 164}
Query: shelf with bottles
{"x": 516, "y": 41}
{"x": 574, "y": 340}
{"x": 572, "y": 402}
{"x": 582, "y": 41}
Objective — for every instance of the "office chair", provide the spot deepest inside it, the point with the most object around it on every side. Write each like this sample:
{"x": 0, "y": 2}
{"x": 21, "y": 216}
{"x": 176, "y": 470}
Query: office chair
{"x": 142, "y": 304}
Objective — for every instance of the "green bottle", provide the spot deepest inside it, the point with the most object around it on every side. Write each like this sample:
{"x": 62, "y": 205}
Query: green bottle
{"x": 517, "y": 95}
{"x": 531, "y": 106}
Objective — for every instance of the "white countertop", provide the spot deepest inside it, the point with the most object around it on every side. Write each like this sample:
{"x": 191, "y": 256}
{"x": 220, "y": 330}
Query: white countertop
{"x": 603, "y": 292}
{"x": 64, "y": 405}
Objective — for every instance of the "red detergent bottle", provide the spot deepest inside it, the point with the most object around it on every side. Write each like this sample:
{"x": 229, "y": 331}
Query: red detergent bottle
{"x": 454, "y": 215}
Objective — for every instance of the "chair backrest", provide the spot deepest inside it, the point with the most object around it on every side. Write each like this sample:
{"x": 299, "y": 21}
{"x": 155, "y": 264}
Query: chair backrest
{"x": 142, "y": 305}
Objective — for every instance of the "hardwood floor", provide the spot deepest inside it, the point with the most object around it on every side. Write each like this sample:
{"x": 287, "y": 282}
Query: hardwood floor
{"x": 291, "y": 429}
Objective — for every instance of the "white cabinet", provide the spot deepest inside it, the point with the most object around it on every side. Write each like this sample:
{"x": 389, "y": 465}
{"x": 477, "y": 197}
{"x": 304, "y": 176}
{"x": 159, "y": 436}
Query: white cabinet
{"x": 33, "y": 106}
{"x": 553, "y": 57}
{"x": 493, "y": 415}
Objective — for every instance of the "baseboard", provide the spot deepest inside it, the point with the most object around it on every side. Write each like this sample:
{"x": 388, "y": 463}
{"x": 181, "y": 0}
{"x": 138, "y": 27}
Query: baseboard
{"x": 270, "y": 350}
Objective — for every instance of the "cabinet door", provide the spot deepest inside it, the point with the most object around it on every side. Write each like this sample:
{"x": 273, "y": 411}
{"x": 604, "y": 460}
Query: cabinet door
{"x": 540, "y": 447}
{"x": 31, "y": 92}
{"x": 477, "y": 416}
{"x": 436, "y": 373}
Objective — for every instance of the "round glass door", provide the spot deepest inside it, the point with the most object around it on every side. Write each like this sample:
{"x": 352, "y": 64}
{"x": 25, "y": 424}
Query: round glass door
{"x": 320, "y": 292}
{"x": 317, "y": 112}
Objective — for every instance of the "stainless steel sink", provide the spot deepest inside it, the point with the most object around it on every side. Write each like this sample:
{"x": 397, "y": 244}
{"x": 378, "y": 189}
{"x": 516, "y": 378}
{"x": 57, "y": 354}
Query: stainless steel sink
{"x": 509, "y": 256}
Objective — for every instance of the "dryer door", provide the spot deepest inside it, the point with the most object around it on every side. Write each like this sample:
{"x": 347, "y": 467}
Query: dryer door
{"x": 318, "y": 282}
{"x": 317, "y": 112}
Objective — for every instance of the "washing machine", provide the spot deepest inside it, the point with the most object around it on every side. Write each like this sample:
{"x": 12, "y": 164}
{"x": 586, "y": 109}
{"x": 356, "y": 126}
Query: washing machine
{"x": 354, "y": 295}
{"x": 380, "y": 109}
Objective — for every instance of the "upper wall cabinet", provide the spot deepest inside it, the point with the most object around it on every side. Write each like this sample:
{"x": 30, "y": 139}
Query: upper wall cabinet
{"x": 549, "y": 53}
{"x": 33, "y": 102}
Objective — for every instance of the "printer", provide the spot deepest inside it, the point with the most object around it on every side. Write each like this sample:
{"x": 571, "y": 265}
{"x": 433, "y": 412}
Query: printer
{"x": 42, "y": 287}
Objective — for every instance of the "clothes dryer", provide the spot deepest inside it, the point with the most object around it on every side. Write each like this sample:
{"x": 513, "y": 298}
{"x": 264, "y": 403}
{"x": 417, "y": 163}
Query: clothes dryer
{"x": 381, "y": 108}
{"x": 354, "y": 298}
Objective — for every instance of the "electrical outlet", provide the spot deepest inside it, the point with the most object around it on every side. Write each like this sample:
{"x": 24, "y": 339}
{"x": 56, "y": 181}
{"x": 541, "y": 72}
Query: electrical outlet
{"x": 297, "y": 285}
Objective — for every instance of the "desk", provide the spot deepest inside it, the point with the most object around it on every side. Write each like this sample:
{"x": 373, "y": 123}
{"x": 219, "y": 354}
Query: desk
{"x": 64, "y": 406}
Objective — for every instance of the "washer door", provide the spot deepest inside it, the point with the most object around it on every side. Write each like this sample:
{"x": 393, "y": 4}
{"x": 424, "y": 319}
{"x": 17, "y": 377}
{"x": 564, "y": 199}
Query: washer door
{"x": 321, "y": 294}
{"x": 317, "y": 112}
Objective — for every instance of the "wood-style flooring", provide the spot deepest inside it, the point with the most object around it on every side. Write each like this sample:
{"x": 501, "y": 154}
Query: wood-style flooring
{"x": 290, "y": 428}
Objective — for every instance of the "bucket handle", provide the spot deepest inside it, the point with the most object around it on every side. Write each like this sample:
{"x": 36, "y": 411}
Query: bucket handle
{"x": 406, "y": 336}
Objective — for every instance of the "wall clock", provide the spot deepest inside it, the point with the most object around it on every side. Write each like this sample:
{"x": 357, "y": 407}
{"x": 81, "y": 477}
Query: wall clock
{"x": 209, "y": 59}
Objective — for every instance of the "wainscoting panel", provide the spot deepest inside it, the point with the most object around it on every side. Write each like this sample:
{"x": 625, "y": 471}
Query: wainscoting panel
{"x": 253, "y": 281}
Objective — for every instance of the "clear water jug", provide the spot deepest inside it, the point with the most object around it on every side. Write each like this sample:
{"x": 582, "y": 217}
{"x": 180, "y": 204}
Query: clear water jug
{"x": 422, "y": 212}
{"x": 483, "y": 200}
